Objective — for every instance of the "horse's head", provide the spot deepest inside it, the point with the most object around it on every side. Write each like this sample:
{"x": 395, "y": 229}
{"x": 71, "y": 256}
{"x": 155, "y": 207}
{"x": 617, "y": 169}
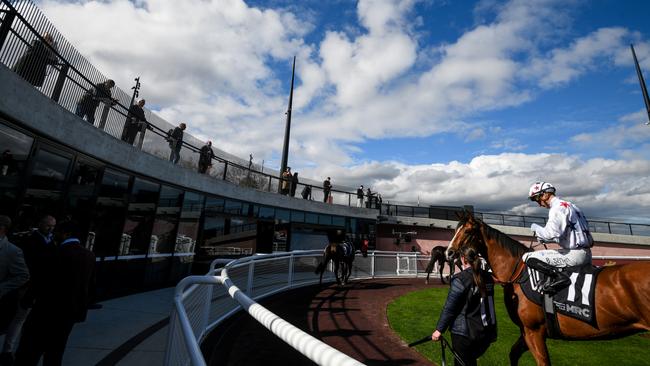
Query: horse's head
{"x": 467, "y": 233}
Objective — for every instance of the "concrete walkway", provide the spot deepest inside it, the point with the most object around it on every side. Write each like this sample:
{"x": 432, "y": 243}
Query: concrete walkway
{"x": 109, "y": 335}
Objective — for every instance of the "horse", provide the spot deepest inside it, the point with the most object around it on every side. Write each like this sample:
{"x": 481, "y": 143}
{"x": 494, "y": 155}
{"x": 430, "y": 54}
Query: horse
{"x": 439, "y": 255}
{"x": 342, "y": 255}
{"x": 622, "y": 292}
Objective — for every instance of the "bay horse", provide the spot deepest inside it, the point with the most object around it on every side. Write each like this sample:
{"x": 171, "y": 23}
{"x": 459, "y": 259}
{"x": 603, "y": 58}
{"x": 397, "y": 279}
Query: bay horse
{"x": 342, "y": 255}
{"x": 439, "y": 255}
{"x": 622, "y": 293}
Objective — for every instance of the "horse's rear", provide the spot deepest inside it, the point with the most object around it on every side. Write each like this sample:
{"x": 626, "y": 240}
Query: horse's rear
{"x": 622, "y": 298}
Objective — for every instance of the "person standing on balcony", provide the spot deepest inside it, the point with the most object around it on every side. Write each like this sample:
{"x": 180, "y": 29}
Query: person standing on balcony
{"x": 87, "y": 105}
{"x": 360, "y": 196}
{"x": 327, "y": 189}
{"x": 176, "y": 143}
{"x": 136, "y": 122}
{"x": 32, "y": 66}
{"x": 286, "y": 181}
{"x": 294, "y": 184}
{"x": 206, "y": 154}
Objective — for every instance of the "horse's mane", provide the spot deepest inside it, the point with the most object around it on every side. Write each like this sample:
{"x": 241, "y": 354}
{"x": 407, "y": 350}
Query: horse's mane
{"x": 511, "y": 245}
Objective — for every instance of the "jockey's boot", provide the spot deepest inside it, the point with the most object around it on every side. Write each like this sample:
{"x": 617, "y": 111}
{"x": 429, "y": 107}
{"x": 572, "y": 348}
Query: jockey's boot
{"x": 555, "y": 279}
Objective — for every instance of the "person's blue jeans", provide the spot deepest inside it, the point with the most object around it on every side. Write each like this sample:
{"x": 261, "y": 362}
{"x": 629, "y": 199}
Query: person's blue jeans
{"x": 175, "y": 155}
{"x": 82, "y": 112}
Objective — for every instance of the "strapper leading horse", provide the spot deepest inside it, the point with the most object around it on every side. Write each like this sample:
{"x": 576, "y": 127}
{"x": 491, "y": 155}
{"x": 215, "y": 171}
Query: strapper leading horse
{"x": 342, "y": 255}
{"x": 622, "y": 293}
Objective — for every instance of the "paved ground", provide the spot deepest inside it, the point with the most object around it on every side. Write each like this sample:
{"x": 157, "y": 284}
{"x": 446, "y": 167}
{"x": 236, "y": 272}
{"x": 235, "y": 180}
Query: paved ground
{"x": 350, "y": 318}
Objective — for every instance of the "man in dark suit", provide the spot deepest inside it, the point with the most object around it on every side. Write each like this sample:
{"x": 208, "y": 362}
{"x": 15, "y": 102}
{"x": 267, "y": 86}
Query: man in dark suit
{"x": 63, "y": 303}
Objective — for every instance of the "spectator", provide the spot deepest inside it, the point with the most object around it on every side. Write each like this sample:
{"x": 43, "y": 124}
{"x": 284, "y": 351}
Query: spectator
{"x": 360, "y": 196}
{"x": 327, "y": 189}
{"x": 89, "y": 102}
{"x": 469, "y": 309}
{"x": 13, "y": 276}
{"x": 369, "y": 198}
{"x": 206, "y": 154}
{"x": 286, "y": 181}
{"x": 176, "y": 143}
{"x": 306, "y": 193}
{"x": 39, "y": 251}
{"x": 32, "y": 66}
{"x": 378, "y": 201}
{"x": 63, "y": 303}
{"x": 136, "y": 122}
{"x": 294, "y": 184}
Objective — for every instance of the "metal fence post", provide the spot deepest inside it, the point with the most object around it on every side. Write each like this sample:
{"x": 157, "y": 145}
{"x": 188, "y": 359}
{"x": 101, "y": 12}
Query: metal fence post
{"x": 290, "y": 280}
{"x": 251, "y": 273}
{"x": 102, "y": 120}
{"x": 60, "y": 80}
{"x": 6, "y": 26}
{"x": 225, "y": 170}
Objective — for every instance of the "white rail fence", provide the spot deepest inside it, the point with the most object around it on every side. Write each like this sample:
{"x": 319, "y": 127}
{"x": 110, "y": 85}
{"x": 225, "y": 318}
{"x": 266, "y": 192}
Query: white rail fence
{"x": 202, "y": 302}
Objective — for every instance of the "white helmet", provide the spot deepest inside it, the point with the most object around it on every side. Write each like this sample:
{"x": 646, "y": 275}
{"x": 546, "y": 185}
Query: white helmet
{"x": 538, "y": 189}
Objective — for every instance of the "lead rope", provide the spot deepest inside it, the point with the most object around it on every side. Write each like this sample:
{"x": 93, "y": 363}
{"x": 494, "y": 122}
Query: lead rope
{"x": 443, "y": 345}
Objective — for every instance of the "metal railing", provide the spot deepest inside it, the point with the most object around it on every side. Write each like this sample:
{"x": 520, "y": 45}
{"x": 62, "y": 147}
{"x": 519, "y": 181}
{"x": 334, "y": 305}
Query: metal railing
{"x": 201, "y": 303}
{"x": 60, "y": 72}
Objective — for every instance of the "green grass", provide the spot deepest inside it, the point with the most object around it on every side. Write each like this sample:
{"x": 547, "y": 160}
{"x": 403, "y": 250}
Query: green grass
{"x": 415, "y": 315}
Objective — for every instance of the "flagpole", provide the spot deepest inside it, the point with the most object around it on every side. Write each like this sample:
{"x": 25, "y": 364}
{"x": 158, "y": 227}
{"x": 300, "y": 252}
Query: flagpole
{"x": 644, "y": 89}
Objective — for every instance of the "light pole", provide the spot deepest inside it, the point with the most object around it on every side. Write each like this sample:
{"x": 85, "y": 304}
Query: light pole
{"x": 644, "y": 89}
{"x": 287, "y": 128}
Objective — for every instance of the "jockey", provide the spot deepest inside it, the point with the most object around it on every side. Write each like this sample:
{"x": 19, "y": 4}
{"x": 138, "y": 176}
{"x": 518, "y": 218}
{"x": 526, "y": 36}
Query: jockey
{"x": 566, "y": 226}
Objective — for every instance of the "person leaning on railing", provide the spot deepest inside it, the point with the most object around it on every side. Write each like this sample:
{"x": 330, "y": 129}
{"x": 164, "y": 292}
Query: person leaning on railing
{"x": 32, "y": 65}
{"x": 89, "y": 102}
{"x": 136, "y": 122}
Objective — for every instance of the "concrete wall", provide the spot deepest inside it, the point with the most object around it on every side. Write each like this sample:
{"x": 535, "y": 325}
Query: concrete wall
{"x": 21, "y": 103}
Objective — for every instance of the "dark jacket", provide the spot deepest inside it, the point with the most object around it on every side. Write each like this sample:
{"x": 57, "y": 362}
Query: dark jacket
{"x": 463, "y": 306}
{"x": 137, "y": 114}
{"x": 91, "y": 98}
{"x": 40, "y": 257}
{"x": 359, "y": 192}
{"x": 33, "y": 64}
{"x": 176, "y": 139}
{"x": 206, "y": 155}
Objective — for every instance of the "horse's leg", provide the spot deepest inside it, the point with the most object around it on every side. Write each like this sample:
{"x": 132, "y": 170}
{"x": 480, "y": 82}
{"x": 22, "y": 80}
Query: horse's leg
{"x": 429, "y": 268}
{"x": 441, "y": 268}
{"x": 336, "y": 271}
{"x": 536, "y": 342}
{"x": 517, "y": 350}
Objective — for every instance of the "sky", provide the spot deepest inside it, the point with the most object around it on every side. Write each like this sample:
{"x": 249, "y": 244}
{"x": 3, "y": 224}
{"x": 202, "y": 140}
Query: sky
{"x": 433, "y": 101}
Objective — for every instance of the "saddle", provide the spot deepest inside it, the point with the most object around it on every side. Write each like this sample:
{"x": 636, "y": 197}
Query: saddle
{"x": 576, "y": 300}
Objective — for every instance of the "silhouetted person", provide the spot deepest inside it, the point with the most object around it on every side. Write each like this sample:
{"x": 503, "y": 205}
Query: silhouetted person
{"x": 136, "y": 122}
{"x": 32, "y": 66}
{"x": 87, "y": 105}
{"x": 13, "y": 276}
{"x": 294, "y": 184}
{"x": 286, "y": 181}
{"x": 206, "y": 154}
{"x": 306, "y": 193}
{"x": 360, "y": 196}
{"x": 63, "y": 303}
{"x": 176, "y": 143}
{"x": 39, "y": 250}
{"x": 7, "y": 163}
{"x": 327, "y": 189}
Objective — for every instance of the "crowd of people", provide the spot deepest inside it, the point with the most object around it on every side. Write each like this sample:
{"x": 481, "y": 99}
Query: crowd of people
{"x": 46, "y": 286}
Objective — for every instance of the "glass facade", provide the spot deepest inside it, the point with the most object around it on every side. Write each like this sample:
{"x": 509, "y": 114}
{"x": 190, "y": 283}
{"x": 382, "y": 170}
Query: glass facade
{"x": 145, "y": 233}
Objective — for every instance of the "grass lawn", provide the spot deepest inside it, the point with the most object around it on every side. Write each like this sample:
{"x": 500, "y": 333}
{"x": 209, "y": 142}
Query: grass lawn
{"x": 414, "y": 315}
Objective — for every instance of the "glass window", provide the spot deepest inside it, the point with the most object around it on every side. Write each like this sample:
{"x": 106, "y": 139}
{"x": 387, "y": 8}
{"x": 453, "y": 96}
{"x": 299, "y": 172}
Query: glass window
{"x": 282, "y": 216}
{"x": 297, "y": 216}
{"x": 214, "y": 204}
{"x": 50, "y": 171}
{"x": 338, "y": 221}
{"x": 163, "y": 235}
{"x": 114, "y": 184}
{"x": 311, "y": 218}
{"x": 324, "y": 219}
{"x": 81, "y": 195}
{"x": 233, "y": 207}
{"x": 15, "y": 148}
{"x": 188, "y": 227}
{"x": 136, "y": 235}
{"x": 267, "y": 212}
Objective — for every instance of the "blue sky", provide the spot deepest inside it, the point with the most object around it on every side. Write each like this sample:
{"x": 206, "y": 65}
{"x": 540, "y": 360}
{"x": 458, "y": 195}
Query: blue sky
{"x": 451, "y": 102}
